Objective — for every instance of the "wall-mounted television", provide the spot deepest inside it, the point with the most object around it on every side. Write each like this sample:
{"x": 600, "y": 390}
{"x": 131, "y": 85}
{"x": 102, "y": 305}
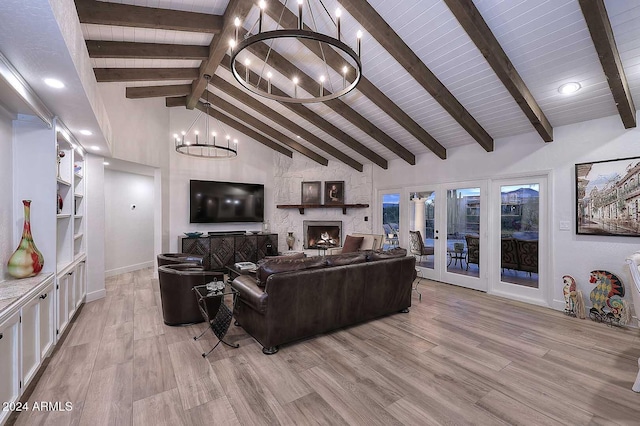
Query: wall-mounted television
{"x": 218, "y": 202}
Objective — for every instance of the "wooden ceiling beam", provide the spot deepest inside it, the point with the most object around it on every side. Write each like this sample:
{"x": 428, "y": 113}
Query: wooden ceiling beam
{"x": 267, "y": 112}
{"x": 182, "y": 101}
{"x": 280, "y": 64}
{"x": 595, "y": 14}
{"x": 219, "y": 46}
{"x": 288, "y": 19}
{"x": 124, "y": 49}
{"x": 471, "y": 20}
{"x": 313, "y": 118}
{"x": 158, "y": 91}
{"x": 375, "y": 25}
{"x": 124, "y": 15}
{"x": 107, "y": 75}
{"x": 260, "y": 126}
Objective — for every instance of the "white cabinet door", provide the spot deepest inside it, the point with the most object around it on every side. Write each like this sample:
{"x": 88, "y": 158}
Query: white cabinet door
{"x": 9, "y": 362}
{"x": 71, "y": 290}
{"x": 47, "y": 320}
{"x": 30, "y": 339}
{"x": 80, "y": 284}
{"x": 61, "y": 299}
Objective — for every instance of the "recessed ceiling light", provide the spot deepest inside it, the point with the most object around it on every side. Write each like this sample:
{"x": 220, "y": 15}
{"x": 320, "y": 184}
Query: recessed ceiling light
{"x": 95, "y": 148}
{"x": 52, "y": 82}
{"x": 106, "y": 163}
{"x": 569, "y": 88}
{"x": 86, "y": 132}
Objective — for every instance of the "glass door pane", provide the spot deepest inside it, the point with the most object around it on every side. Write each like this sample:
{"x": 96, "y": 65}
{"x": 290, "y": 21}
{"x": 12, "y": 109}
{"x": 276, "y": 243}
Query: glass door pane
{"x": 463, "y": 231}
{"x": 422, "y": 216}
{"x": 391, "y": 220}
{"x": 519, "y": 218}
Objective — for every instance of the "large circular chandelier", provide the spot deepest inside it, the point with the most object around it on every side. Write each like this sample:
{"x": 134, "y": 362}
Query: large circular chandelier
{"x": 329, "y": 84}
{"x": 196, "y": 144}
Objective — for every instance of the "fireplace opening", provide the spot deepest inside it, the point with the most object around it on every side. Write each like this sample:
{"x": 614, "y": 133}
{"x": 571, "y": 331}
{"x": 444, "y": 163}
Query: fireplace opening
{"x": 322, "y": 234}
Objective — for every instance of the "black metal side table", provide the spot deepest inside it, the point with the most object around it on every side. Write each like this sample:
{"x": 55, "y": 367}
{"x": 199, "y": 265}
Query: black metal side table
{"x": 216, "y": 302}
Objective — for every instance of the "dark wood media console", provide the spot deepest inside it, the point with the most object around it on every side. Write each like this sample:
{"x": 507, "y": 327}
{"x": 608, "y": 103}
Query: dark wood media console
{"x": 222, "y": 250}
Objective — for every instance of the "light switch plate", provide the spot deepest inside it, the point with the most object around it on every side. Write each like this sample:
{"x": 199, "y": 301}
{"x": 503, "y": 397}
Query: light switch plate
{"x": 565, "y": 225}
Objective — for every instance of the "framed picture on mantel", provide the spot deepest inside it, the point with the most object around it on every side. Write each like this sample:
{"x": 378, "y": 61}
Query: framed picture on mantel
{"x": 311, "y": 192}
{"x": 334, "y": 192}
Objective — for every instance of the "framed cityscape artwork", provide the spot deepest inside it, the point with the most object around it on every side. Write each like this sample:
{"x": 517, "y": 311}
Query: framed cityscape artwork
{"x": 608, "y": 197}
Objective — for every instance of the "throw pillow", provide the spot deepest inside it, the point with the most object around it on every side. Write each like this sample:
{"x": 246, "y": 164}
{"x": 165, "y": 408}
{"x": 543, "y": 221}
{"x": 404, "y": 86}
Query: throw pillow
{"x": 275, "y": 266}
{"x": 352, "y": 244}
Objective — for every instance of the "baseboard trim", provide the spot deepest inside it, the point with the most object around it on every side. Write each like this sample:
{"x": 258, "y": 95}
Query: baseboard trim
{"x": 95, "y": 295}
{"x": 130, "y": 268}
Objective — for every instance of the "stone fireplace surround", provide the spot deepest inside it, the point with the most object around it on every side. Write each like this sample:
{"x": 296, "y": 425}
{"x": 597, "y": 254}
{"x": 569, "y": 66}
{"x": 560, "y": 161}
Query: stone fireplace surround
{"x": 322, "y": 234}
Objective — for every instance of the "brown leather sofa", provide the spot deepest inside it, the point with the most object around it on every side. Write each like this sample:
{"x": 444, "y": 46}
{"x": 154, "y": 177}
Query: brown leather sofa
{"x": 179, "y": 302}
{"x": 295, "y": 299}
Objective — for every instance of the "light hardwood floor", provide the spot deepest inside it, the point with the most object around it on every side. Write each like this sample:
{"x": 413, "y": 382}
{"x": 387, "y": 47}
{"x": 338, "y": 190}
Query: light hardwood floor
{"x": 459, "y": 357}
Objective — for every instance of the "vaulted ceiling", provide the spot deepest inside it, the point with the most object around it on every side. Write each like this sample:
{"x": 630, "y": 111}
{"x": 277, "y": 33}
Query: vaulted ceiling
{"x": 437, "y": 73}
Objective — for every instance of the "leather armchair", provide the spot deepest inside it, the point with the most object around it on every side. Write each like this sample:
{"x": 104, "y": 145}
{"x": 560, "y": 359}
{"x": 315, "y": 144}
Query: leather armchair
{"x": 179, "y": 302}
{"x": 175, "y": 258}
{"x": 369, "y": 242}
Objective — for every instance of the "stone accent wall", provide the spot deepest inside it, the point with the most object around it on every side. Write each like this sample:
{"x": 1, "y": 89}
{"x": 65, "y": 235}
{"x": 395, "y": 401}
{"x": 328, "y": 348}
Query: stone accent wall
{"x": 289, "y": 173}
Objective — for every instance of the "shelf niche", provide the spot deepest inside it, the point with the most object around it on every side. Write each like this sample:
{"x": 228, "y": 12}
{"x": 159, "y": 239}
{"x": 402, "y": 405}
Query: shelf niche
{"x": 302, "y": 207}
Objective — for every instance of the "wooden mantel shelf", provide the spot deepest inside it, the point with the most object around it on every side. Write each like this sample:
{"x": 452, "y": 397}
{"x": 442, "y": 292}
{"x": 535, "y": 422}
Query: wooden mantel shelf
{"x": 301, "y": 207}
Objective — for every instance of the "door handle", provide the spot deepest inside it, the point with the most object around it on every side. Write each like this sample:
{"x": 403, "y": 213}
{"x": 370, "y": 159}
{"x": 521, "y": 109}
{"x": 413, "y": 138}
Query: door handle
{"x": 436, "y": 237}
{"x": 1, "y": 335}
{"x": 43, "y": 296}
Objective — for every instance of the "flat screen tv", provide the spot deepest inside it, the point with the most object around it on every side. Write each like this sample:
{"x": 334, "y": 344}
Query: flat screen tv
{"x": 217, "y": 202}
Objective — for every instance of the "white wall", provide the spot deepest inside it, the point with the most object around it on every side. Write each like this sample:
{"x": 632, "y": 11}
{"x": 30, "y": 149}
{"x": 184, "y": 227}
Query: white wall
{"x": 129, "y": 233}
{"x": 95, "y": 217}
{"x": 288, "y": 177}
{"x": 253, "y": 164}
{"x": 572, "y": 254}
{"x": 140, "y": 126}
{"x": 6, "y": 193}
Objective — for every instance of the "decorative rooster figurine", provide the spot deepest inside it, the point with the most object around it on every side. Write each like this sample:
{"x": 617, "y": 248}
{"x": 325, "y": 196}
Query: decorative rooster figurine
{"x": 609, "y": 292}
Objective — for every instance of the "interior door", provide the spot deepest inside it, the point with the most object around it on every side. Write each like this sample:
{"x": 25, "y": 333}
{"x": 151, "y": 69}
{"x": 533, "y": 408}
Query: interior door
{"x": 520, "y": 239}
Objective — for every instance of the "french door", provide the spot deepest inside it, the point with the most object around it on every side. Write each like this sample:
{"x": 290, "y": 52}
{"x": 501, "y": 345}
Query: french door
{"x": 520, "y": 239}
{"x": 451, "y": 219}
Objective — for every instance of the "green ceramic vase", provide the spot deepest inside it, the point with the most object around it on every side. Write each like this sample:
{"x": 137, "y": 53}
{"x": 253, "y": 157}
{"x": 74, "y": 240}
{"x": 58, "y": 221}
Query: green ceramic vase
{"x": 26, "y": 261}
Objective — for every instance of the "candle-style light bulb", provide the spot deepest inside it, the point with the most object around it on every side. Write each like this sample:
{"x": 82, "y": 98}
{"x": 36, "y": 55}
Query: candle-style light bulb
{"x": 295, "y": 86}
{"x": 344, "y": 76}
{"x": 269, "y": 75}
{"x": 359, "y": 40}
{"x": 232, "y": 44}
{"x": 197, "y": 133}
{"x": 247, "y": 62}
{"x": 338, "y": 14}
{"x": 300, "y": 24}
{"x": 322, "y": 85}
{"x": 236, "y": 22}
{"x": 263, "y": 6}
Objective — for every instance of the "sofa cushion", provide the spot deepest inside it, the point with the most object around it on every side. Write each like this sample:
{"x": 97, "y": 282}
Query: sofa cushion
{"x": 387, "y": 254}
{"x": 275, "y": 266}
{"x": 352, "y": 244}
{"x": 346, "y": 259}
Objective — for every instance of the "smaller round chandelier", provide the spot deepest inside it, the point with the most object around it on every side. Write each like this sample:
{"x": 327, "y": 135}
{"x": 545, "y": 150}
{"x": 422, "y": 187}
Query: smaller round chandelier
{"x": 330, "y": 83}
{"x": 195, "y": 144}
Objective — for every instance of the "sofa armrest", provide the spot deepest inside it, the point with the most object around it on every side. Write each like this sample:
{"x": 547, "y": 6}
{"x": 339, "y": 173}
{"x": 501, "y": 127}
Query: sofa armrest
{"x": 251, "y": 293}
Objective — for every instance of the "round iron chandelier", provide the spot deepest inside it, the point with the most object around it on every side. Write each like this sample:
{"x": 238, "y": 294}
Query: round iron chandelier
{"x": 191, "y": 142}
{"x": 299, "y": 89}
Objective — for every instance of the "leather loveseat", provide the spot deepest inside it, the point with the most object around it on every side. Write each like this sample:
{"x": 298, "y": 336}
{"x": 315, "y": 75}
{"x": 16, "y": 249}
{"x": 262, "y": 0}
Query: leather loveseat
{"x": 293, "y": 299}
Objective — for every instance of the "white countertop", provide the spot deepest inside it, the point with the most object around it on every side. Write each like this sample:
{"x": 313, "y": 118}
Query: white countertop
{"x": 12, "y": 290}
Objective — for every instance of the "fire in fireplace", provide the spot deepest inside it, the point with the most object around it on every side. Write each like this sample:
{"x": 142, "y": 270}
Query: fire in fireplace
{"x": 322, "y": 234}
